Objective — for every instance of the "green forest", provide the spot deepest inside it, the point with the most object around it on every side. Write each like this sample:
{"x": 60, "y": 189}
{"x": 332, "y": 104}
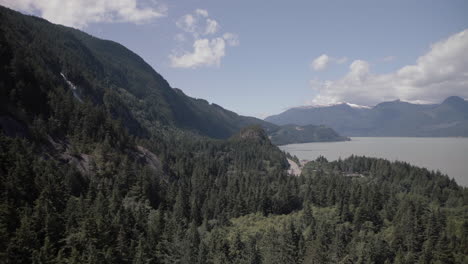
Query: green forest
{"x": 126, "y": 169}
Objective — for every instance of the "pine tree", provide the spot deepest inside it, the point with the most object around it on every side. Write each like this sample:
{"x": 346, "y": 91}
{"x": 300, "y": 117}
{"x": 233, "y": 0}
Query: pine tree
{"x": 307, "y": 216}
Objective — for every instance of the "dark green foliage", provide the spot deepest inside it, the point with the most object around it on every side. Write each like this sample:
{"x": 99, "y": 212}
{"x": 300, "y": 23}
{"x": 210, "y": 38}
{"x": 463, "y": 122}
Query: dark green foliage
{"x": 374, "y": 218}
{"x": 289, "y": 134}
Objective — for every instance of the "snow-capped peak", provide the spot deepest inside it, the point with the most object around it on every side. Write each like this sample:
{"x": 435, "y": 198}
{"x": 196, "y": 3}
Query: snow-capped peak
{"x": 359, "y": 106}
{"x": 335, "y": 104}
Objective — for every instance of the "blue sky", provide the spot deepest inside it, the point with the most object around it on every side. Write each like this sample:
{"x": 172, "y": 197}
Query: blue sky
{"x": 257, "y": 57}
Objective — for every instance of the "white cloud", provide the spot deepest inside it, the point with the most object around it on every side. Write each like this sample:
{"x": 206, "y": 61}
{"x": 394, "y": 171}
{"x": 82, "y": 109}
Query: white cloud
{"x": 231, "y": 39}
{"x": 441, "y": 72}
{"x": 201, "y": 12}
{"x": 320, "y": 62}
{"x": 187, "y": 23}
{"x": 211, "y": 26}
{"x": 198, "y": 23}
{"x": 80, "y": 13}
{"x": 205, "y": 51}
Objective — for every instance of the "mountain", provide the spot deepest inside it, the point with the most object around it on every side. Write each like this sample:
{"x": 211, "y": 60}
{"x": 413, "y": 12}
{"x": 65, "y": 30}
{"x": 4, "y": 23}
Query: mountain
{"x": 289, "y": 134}
{"x": 103, "y": 72}
{"x": 395, "y": 118}
{"x": 343, "y": 115}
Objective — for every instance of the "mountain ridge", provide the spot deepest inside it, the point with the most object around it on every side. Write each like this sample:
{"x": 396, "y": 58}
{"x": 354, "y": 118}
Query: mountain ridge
{"x": 107, "y": 73}
{"x": 392, "y": 118}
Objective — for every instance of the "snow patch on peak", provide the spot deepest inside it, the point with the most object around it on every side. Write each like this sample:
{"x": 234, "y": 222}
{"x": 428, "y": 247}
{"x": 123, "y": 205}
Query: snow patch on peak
{"x": 317, "y": 106}
{"x": 359, "y": 106}
{"x": 335, "y": 104}
{"x": 419, "y": 102}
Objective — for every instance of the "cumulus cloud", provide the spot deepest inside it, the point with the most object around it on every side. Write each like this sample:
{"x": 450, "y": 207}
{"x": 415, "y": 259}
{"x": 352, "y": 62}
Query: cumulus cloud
{"x": 211, "y": 26}
{"x": 187, "y": 23}
{"x": 80, "y": 13}
{"x": 231, "y": 39}
{"x": 322, "y": 62}
{"x": 206, "y": 51}
{"x": 198, "y": 23}
{"x": 441, "y": 72}
{"x": 201, "y": 12}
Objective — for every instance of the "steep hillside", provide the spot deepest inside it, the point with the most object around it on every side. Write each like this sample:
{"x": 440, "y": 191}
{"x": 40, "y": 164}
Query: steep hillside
{"x": 396, "y": 118}
{"x": 38, "y": 56}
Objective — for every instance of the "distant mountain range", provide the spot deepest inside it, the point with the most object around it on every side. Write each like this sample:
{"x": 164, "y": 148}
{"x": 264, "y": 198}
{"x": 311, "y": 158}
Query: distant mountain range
{"x": 395, "y": 118}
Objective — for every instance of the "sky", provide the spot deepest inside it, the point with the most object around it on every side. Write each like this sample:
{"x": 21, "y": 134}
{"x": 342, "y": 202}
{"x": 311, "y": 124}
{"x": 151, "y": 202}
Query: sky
{"x": 259, "y": 58}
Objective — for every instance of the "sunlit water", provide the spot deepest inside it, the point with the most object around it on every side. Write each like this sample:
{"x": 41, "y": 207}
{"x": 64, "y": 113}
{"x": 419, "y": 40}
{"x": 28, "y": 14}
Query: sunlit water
{"x": 449, "y": 155}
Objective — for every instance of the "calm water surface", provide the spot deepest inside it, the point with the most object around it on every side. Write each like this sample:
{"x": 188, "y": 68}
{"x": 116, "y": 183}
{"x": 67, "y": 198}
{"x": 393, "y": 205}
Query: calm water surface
{"x": 449, "y": 155}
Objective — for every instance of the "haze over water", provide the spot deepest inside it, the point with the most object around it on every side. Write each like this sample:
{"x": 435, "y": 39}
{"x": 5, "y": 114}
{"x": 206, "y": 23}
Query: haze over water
{"x": 449, "y": 155}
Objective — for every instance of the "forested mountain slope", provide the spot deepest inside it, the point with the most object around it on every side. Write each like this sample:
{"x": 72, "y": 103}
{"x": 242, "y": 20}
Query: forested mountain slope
{"x": 111, "y": 172}
{"x": 37, "y": 55}
{"x": 39, "y": 58}
{"x": 290, "y": 134}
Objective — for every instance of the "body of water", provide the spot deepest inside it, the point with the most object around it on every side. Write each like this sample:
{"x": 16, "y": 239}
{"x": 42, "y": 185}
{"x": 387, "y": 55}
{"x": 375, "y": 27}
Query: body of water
{"x": 449, "y": 155}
